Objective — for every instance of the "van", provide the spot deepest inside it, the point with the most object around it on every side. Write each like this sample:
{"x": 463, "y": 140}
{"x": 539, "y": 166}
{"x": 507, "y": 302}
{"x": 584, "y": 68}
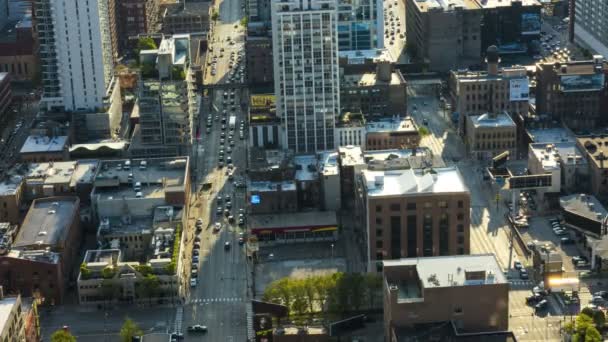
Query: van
{"x": 142, "y": 165}
{"x": 139, "y": 194}
{"x": 137, "y": 186}
{"x": 127, "y": 166}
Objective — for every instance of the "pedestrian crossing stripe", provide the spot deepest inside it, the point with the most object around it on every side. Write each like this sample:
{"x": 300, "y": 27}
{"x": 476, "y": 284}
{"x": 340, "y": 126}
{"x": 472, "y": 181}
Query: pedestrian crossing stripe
{"x": 215, "y": 300}
{"x": 521, "y": 282}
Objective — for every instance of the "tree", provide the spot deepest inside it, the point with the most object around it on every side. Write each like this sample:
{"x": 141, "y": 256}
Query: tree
{"x": 310, "y": 292}
{"x": 244, "y": 21}
{"x": 62, "y": 335}
{"x": 178, "y": 73}
{"x": 146, "y": 43}
{"x": 593, "y": 335}
{"x": 215, "y": 15}
{"x": 149, "y": 287}
{"x": 129, "y": 330}
{"x": 585, "y": 330}
{"x": 423, "y": 131}
{"x": 373, "y": 283}
{"x": 599, "y": 319}
{"x": 300, "y": 303}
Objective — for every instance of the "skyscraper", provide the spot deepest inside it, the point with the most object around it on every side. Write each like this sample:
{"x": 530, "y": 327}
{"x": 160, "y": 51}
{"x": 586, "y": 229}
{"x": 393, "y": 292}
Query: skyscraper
{"x": 306, "y": 72}
{"x": 75, "y": 53}
{"x": 360, "y": 24}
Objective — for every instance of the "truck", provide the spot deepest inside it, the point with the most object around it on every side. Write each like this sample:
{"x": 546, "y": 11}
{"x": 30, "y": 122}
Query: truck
{"x": 232, "y": 122}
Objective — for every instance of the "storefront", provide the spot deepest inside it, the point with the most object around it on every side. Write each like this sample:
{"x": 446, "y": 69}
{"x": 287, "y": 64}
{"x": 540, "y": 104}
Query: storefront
{"x": 294, "y": 227}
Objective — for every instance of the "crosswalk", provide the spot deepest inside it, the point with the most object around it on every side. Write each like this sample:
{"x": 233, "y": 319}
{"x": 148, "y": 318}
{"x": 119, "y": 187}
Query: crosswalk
{"x": 521, "y": 283}
{"x": 179, "y": 316}
{"x": 215, "y": 300}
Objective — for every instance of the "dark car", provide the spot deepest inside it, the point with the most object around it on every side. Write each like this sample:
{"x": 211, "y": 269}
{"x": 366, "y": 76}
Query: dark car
{"x": 533, "y": 299}
{"x": 566, "y": 241}
{"x": 541, "y": 305}
{"x": 197, "y": 328}
{"x": 523, "y": 274}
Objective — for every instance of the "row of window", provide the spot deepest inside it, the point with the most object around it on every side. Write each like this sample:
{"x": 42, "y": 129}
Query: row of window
{"x": 21, "y": 69}
{"x": 412, "y": 206}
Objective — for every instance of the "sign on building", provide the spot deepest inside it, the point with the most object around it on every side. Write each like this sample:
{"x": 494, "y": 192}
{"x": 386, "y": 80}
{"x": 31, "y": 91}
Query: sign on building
{"x": 519, "y": 89}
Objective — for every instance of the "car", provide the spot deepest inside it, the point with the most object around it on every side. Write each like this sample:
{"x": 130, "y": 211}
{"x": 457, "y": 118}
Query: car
{"x": 197, "y": 328}
{"x": 566, "y": 241}
{"x": 217, "y": 226}
{"x": 193, "y": 282}
{"x": 195, "y": 258}
{"x": 578, "y": 258}
{"x": 199, "y": 221}
{"x": 582, "y": 263}
{"x": 219, "y": 210}
{"x": 541, "y": 305}
{"x": 195, "y": 252}
{"x": 597, "y": 300}
{"x": 227, "y": 245}
{"x": 517, "y": 265}
{"x": 523, "y": 274}
{"x": 603, "y": 294}
{"x": 241, "y": 221}
{"x": 231, "y": 219}
{"x": 534, "y": 298}
{"x": 197, "y": 239}
{"x": 197, "y": 245}
{"x": 226, "y": 212}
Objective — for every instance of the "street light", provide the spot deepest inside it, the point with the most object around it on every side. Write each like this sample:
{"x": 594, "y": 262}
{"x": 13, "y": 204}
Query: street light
{"x": 332, "y": 252}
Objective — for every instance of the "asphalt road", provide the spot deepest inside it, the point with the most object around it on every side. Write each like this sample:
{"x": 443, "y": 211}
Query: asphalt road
{"x": 219, "y": 299}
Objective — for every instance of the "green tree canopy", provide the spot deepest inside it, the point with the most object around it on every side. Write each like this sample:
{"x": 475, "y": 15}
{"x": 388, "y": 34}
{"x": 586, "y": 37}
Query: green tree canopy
{"x": 129, "y": 330}
{"x": 146, "y": 43}
{"x": 215, "y": 15}
{"x": 62, "y": 335}
{"x": 584, "y": 329}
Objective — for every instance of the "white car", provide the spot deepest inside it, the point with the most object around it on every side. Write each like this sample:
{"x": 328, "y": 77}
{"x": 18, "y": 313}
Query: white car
{"x": 193, "y": 282}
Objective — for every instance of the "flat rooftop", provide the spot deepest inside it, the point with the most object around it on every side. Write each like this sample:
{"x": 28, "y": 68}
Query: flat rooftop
{"x": 596, "y": 148}
{"x": 394, "y": 153}
{"x": 449, "y": 271}
{"x": 369, "y": 79}
{"x": 328, "y": 163}
{"x": 487, "y": 120}
{"x": 261, "y": 186}
{"x": 406, "y": 124}
{"x": 551, "y": 135}
{"x": 163, "y": 172}
{"x": 351, "y": 155}
{"x": 584, "y": 205}
{"x": 553, "y": 155}
{"x": 451, "y": 5}
{"x": 39, "y": 255}
{"x": 47, "y": 222}
{"x": 413, "y": 182}
{"x": 44, "y": 144}
{"x": 293, "y": 220}
{"x": 106, "y": 256}
{"x": 468, "y": 76}
{"x": 306, "y": 167}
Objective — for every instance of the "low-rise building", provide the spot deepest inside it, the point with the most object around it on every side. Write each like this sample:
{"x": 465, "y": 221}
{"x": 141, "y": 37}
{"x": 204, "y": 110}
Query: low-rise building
{"x": 38, "y": 149}
{"x": 496, "y": 90}
{"x": 272, "y": 197}
{"x": 12, "y": 326}
{"x": 413, "y": 213}
{"x": 45, "y": 250}
{"x": 330, "y": 181}
{"x": 259, "y": 59}
{"x": 573, "y": 93}
{"x": 307, "y": 226}
{"x": 270, "y": 165}
{"x": 135, "y": 17}
{"x": 420, "y": 291}
{"x": 393, "y": 133}
{"x": 375, "y": 93}
{"x": 350, "y": 130}
{"x": 490, "y": 134}
{"x": 595, "y": 149}
{"x": 11, "y": 192}
{"x": 263, "y": 121}
{"x": 564, "y": 161}
{"x": 585, "y": 213}
{"x": 18, "y": 55}
{"x": 189, "y": 17}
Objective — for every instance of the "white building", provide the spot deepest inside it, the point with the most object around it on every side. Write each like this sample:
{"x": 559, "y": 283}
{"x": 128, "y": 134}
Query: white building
{"x": 350, "y": 135}
{"x": 75, "y": 53}
{"x": 12, "y": 327}
{"x": 306, "y": 72}
{"x": 563, "y": 160}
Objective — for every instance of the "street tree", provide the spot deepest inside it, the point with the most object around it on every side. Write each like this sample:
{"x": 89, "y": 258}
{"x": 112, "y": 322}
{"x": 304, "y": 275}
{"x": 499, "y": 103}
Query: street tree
{"x": 129, "y": 330}
{"x": 62, "y": 335}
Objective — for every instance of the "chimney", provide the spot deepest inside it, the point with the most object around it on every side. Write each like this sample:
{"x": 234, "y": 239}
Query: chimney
{"x": 492, "y": 60}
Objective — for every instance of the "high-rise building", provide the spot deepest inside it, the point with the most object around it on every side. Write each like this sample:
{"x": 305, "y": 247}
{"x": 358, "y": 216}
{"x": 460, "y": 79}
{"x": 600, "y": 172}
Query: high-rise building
{"x": 591, "y": 25}
{"x": 3, "y": 12}
{"x": 76, "y": 53}
{"x": 306, "y": 72}
{"x": 360, "y": 25}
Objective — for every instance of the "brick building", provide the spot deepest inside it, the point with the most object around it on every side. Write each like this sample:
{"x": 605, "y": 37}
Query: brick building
{"x": 413, "y": 213}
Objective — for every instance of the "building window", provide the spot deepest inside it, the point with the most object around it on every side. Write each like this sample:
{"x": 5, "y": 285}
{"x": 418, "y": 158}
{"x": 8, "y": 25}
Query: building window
{"x": 428, "y": 205}
{"x": 458, "y": 310}
{"x": 395, "y": 207}
{"x": 411, "y": 206}
{"x": 378, "y": 220}
{"x": 460, "y": 251}
{"x": 378, "y": 232}
{"x": 378, "y": 208}
{"x": 460, "y": 228}
{"x": 460, "y": 216}
{"x": 379, "y": 244}
{"x": 460, "y": 240}
{"x": 442, "y": 204}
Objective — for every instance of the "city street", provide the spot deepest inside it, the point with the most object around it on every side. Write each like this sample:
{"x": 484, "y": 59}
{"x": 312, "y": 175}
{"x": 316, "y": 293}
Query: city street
{"x": 218, "y": 300}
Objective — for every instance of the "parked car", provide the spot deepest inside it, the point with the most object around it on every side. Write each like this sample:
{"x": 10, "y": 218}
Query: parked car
{"x": 517, "y": 265}
{"x": 227, "y": 245}
{"x": 197, "y": 328}
{"x": 523, "y": 274}
{"x": 541, "y": 305}
{"x": 566, "y": 241}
